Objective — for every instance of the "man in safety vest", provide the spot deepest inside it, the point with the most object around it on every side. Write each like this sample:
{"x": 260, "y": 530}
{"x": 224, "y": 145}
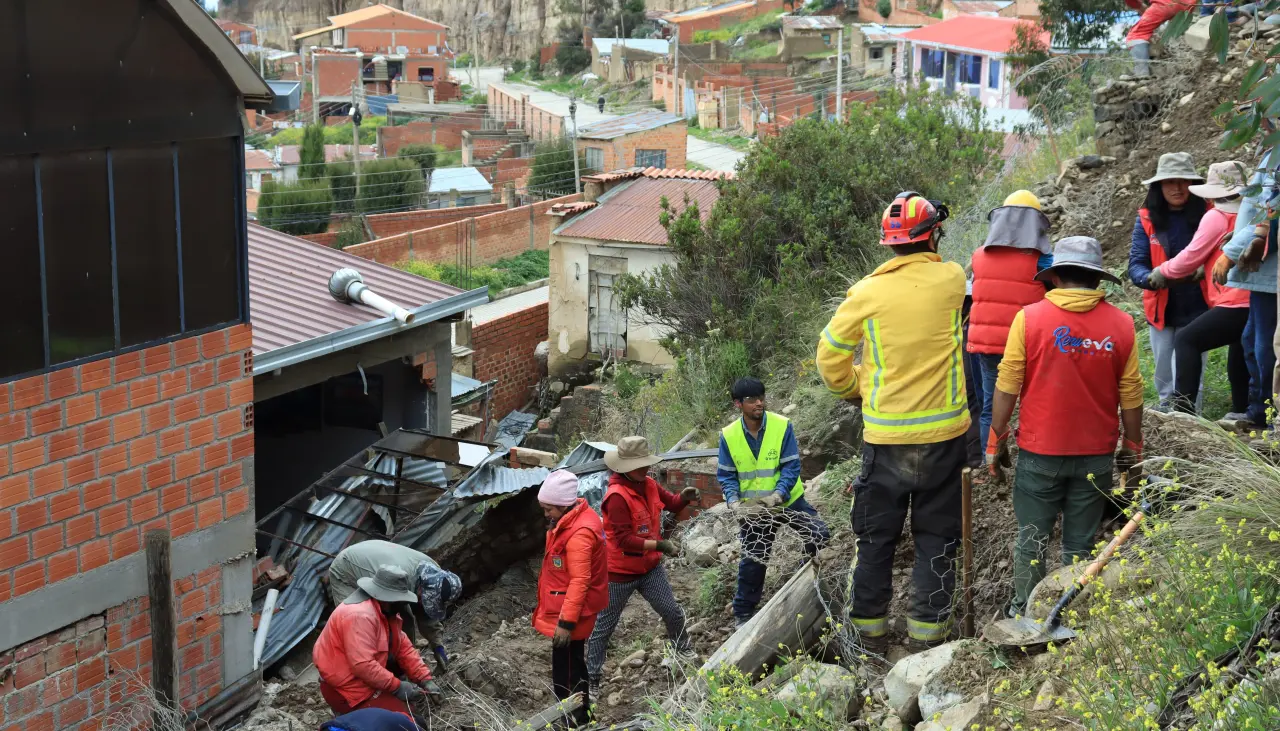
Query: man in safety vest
{"x": 759, "y": 467}
{"x": 633, "y": 505}
{"x": 573, "y": 586}
{"x": 1072, "y": 361}
{"x": 910, "y": 386}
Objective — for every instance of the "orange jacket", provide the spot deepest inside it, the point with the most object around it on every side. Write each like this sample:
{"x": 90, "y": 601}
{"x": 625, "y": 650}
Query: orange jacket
{"x": 573, "y": 586}
{"x": 354, "y": 647}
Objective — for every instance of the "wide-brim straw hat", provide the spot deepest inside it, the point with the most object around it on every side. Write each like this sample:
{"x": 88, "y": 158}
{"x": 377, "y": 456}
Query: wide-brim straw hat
{"x": 1225, "y": 179}
{"x": 1175, "y": 166}
{"x": 632, "y": 453}
{"x": 388, "y": 584}
{"x": 1081, "y": 252}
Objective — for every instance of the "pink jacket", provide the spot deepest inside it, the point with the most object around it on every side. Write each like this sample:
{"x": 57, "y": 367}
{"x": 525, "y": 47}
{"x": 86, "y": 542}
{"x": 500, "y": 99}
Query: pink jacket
{"x": 1203, "y": 250}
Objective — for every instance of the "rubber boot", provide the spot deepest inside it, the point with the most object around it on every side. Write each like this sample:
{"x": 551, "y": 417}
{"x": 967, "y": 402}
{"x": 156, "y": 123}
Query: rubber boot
{"x": 1141, "y": 53}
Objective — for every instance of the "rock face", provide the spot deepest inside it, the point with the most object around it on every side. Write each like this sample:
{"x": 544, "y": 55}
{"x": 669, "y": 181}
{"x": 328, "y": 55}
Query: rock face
{"x": 837, "y": 689}
{"x": 912, "y": 673}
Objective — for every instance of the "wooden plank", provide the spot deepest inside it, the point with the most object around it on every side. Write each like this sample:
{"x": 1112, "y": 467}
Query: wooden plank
{"x": 164, "y": 635}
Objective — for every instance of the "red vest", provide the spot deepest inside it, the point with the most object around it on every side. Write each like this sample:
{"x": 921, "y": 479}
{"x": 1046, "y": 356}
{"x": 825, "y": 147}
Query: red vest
{"x": 1003, "y": 283}
{"x": 1071, "y": 391}
{"x": 1154, "y": 301}
{"x": 553, "y": 582}
{"x": 646, "y": 521}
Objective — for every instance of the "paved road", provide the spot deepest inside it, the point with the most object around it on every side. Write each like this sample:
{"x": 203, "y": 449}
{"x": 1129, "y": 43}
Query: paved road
{"x": 486, "y": 75}
{"x": 708, "y": 154}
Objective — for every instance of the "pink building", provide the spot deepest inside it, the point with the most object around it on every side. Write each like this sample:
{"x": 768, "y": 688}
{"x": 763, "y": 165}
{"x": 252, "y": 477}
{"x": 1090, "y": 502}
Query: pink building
{"x": 965, "y": 55}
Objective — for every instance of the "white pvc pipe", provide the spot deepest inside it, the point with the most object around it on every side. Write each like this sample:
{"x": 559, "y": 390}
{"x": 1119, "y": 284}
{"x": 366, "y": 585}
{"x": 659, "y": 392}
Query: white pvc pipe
{"x": 264, "y": 624}
{"x": 361, "y": 292}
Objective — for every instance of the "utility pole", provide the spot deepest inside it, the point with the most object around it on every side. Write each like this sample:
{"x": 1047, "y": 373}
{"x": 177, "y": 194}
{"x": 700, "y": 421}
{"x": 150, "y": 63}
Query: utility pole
{"x": 675, "y": 75}
{"x": 355, "y": 131}
{"x": 475, "y": 55}
{"x": 573, "y": 146}
{"x": 839, "y": 76}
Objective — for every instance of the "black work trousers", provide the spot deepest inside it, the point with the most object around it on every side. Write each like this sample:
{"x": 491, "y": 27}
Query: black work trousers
{"x": 895, "y": 478}
{"x": 569, "y": 675}
{"x": 1218, "y": 327}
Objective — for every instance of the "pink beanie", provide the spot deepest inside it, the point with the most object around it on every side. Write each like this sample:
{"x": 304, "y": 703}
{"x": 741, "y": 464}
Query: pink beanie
{"x": 560, "y": 488}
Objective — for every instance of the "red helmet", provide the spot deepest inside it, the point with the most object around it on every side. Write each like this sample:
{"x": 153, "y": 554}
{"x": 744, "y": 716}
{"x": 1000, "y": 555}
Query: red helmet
{"x": 910, "y": 218}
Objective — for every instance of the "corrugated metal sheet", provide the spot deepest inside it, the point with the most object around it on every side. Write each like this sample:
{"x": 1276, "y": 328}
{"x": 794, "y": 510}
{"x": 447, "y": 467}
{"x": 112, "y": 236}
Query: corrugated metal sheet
{"x": 709, "y": 10}
{"x": 463, "y": 180}
{"x": 629, "y": 124}
{"x": 604, "y": 46}
{"x": 258, "y": 160}
{"x": 591, "y": 486}
{"x": 494, "y": 479}
{"x": 513, "y": 427}
{"x": 630, "y": 213}
{"x": 811, "y": 22}
{"x": 289, "y": 300}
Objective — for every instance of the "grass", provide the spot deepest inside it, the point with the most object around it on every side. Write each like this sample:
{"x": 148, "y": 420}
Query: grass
{"x": 760, "y": 51}
{"x": 755, "y": 25}
{"x": 737, "y": 142}
{"x": 503, "y": 274}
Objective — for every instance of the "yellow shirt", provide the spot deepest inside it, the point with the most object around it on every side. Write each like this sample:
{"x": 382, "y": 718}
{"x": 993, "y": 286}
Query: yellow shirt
{"x": 911, "y": 375}
{"x": 1013, "y": 368}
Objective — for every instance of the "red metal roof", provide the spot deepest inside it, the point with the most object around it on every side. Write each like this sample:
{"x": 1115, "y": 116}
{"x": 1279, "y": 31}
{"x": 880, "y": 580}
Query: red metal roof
{"x": 971, "y": 32}
{"x": 289, "y": 300}
{"x": 568, "y": 209}
{"x": 629, "y": 173}
{"x": 630, "y": 212}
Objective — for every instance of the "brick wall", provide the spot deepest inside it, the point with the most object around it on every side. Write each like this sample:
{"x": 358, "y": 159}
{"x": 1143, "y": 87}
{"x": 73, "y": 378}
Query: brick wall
{"x": 497, "y": 236}
{"x": 393, "y": 224}
{"x": 689, "y": 473}
{"x": 516, "y": 109}
{"x": 328, "y": 238}
{"x": 512, "y": 170}
{"x": 445, "y": 132}
{"x": 504, "y": 351}
{"x": 91, "y": 457}
{"x": 335, "y": 74}
{"x": 620, "y": 152}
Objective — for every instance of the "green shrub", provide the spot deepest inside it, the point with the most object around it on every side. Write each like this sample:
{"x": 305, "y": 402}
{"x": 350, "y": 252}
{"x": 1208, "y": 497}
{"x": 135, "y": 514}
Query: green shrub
{"x": 311, "y": 155}
{"x": 731, "y": 701}
{"x": 424, "y": 155}
{"x": 465, "y": 60}
{"x": 336, "y": 135}
{"x": 552, "y": 171}
{"x": 518, "y": 65}
{"x": 527, "y": 267}
{"x": 351, "y": 233}
{"x": 885, "y": 8}
{"x": 342, "y": 184}
{"x": 627, "y": 382}
{"x": 715, "y": 589}
{"x": 389, "y": 185}
{"x": 572, "y": 59}
{"x": 297, "y": 208}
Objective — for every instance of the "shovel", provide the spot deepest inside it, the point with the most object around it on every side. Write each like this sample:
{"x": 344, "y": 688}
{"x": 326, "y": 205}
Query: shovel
{"x": 1026, "y": 632}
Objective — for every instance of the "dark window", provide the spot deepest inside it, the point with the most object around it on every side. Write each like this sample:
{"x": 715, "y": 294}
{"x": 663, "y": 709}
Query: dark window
{"x": 993, "y": 74}
{"x": 22, "y": 327}
{"x": 932, "y": 62}
{"x": 970, "y": 69}
{"x": 246, "y": 36}
{"x": 651, "y": 158}
{"x": 146, "y": 244}
{"x": 426, "y": 73}
{"x": 353, "y": 401}
{"x": 210, "y": 268}
{"x": 77, "y": 247}
{"x": 877, "y": 53}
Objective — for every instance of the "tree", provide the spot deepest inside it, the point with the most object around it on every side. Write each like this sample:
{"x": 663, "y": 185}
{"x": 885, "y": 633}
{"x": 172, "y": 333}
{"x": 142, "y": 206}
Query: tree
{"x": 1077, "y": 24}
{"x": 804, "y": 215}
{"x": 552, "y": 171}
{"x": 311, "y": 153}
{"x": 885, "y": 8}
{"x": 572, "y": 58}
{"x": 342, "y": 184}
{"x": 424, "y": 155}
{"x": 389, "y": 185}
{"x": 297, "y": 208}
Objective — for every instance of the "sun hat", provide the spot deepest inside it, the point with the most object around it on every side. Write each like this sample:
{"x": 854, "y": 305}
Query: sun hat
{"x": 1081, "y": 252}
{"x": 388, "y": 584}
{"x": 560, "y": 488}
{"x": 632, "y": 454}
{"x": 1225, "y": 180}
{"x": 1175, "y": 166}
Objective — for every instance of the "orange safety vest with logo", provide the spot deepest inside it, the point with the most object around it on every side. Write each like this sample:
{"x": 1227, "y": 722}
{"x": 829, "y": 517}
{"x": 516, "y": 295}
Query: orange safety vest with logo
{"x": 1003, "y": 283}
{"x": 646, "y": 521}
{"x": 1154, "y": 301}
{"x": 1071, "y": 391}
{"x": 553, "y": 582}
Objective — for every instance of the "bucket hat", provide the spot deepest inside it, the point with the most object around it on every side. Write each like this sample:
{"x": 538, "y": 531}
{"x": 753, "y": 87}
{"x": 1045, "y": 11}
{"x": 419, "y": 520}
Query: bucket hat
{"x": 1224, "y": 180}
{"x": 437, "y": 589}
{"x": 1081, "y": 252}
{"x": 632, "y": 454}
{"x": 388, "y": 584}
{"x": 1175, "y": 166}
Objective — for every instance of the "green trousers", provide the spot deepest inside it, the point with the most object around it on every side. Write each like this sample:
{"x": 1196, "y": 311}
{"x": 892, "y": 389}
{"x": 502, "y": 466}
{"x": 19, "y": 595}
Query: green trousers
{"x": 1045, "y": 487}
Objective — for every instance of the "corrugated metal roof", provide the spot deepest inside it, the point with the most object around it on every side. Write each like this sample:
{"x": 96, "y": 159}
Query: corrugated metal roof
{"x": 359, "y": 16}
{"x": 641, "y": 121}
{"x": 463, "y": 180}
{"x": 289, "y": 300}
{"x": 258, "y": 160}
{"x": 977, "y": 7}
{"x": 811, "y": 22}
{"x": 630, "y": 212}
{"x": 708, "y": 10}
{"x": 604, "y": 46}
{"x": 513, "y": 427}
{"x": 494, "y": 479}
{"x": 688, "y": 174}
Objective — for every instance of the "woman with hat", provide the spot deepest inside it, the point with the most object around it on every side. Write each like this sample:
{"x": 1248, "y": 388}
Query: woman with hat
{"x": 633, "y": 505}
{"x": 1165, "y": 225}
{"x": 1224, "y": 323}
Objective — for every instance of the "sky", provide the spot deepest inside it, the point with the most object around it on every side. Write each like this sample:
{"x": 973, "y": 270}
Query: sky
{"x": 210, "y": 4}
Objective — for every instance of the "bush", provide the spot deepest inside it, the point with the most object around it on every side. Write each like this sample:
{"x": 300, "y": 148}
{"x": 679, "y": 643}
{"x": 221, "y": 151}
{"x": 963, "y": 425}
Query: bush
{"x": 518, "y": 65}
{"x": 527, "y": 267}
{"x": 297, "y": 208}
{"x": 885, "y": 8}
{"x": 389, "y": 185}
{"x": 336, "y": 135}
{"x": 342, "y": 184}
{"x": 465, "y": 60}
{"x": 351, "y": 233}
{"x": 572, "y": 59}
{"x": 311, "y": 155}
{"x": 424, "y": 155}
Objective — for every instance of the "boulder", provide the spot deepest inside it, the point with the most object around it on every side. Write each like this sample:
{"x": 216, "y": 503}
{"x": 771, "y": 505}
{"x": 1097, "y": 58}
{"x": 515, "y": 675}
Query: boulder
{"x": 910, "y": 674}
{"x": 1045, "y": 697}
{"x": 837, "y": 689}
{"x": 937, "y": 696}
{"x": 702, "y": 551}
{"x": 635, "y": 659}
{"x": 957, "y": 717}
{"x": 1197, "y": 36}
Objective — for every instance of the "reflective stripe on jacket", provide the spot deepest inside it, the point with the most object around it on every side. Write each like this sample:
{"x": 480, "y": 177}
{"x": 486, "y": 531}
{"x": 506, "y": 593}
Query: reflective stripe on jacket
{"x": 351, "y": 653}
{"x": 646, "y": 520}
{"x": 758, "y": 475}
{"x": 572, "y": 586}
{"x": 1003, "y": 283}
{"x": 911, "y": 376}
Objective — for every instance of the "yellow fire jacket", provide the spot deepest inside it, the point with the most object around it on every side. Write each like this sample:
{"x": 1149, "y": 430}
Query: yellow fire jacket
{"x": 911, "y": 376}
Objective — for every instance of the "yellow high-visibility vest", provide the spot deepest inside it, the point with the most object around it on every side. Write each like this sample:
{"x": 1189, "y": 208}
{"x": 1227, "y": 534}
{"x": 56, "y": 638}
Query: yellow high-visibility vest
{"x": 758, "y": 475}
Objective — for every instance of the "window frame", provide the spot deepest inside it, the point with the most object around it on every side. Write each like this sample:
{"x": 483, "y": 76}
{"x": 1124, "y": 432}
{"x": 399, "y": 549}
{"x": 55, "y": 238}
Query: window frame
{"x": 876, "y": 53}
{"x": 587, "y": 154}
{"x": 941, "y": 56}
{"x": 648, "y": 153}
{"x": 994, "y": 72}
{"x": 234, "y": 144}
{"x": 964, "y": 67}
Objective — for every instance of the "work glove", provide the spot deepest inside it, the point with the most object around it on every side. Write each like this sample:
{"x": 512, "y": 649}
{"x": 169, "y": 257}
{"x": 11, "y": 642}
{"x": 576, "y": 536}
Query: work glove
{"x": 409, "y": 693}
{"x": 1251, "y": 258}
{"x": 690, "y": 495}
{"x": 442, "y": 659}
{"x": 668, "y": 548}
{"x": 561, "y": 637}
{"x": 1157, "y": 280}
{"x": 772, "y": 500}
{"x": 1128, "y": 458}
{"x": 434, "y": 692}
{"x": 998, "y": 455}
{"x": 1221, "y": 268}
{"x": 1198, "y": 275}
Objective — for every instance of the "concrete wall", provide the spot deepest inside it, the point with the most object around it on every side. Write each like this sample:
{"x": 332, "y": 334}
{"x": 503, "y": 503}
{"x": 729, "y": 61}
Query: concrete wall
{"x": 570, "y": 282}
{"x": 92, "y": 457}
{"x": 491, "y": 237}
{"x": 504, "y": 350}
{"x": 393, "y": 224}
{"x": 620, "y": 152}
{"x": 1003, "y": 97}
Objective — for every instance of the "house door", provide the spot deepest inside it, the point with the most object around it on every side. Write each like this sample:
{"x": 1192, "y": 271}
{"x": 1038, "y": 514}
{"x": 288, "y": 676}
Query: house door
{"x": 952, "y": 71}
{"x": 606, "y": 320}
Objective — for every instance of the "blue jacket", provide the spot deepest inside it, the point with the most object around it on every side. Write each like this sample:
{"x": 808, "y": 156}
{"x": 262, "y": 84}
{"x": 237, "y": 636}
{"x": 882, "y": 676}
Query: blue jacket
{"x": 1252, "y": 209}
{"x": 1186, "y": 301}
{"x": 727, "y": 473}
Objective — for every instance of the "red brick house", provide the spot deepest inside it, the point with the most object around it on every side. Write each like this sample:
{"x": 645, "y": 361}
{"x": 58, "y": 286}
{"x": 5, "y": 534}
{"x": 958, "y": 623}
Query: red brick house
{"x": 239, "y": 33}
{"x": 125, "y": 380}
{"x": 646, "y": 139}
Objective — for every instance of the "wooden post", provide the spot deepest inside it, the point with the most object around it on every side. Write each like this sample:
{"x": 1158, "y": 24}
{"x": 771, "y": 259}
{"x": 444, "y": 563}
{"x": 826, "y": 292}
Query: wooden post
{"x": 164, "y": 638}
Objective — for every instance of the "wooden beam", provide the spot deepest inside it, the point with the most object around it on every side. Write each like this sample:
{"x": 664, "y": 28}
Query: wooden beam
{"x": 397, "y": 345}
{"x": 554, "y": 713}
{"x": 164, "y": 635}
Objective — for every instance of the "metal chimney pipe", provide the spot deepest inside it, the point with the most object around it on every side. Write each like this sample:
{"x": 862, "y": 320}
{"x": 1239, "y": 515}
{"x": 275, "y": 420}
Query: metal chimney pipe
{"x": 347, "y": 286}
